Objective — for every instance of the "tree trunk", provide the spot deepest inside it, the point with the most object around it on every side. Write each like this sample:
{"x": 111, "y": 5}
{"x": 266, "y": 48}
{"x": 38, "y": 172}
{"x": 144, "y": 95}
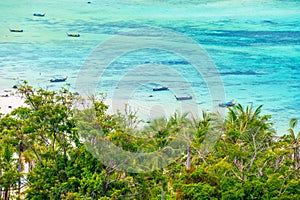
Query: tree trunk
{"x": 6, "y": 194}
{"x": 19, "y": 170}
{"x": 296, "y": 157}
{"x": 188, "y": 162}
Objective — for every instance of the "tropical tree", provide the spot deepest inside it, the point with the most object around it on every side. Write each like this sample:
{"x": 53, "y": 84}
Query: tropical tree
{"x": 293, "y": 139}
{"x": 8, "y": 170}
{"x": 87, "y": 153}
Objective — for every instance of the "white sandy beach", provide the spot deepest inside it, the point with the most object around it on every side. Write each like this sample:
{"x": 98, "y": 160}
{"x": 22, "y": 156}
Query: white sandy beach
{"x": 150, "y": 110}
{"x": 144, "y": 110}
{"x": 9, "y": 102}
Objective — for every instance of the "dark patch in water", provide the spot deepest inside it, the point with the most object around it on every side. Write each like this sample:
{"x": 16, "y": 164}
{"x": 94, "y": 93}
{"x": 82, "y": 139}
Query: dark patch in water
{"x": 276, "y": 110}
{"x": 250, "y": 72}
{"x": 253, "y": 38}
{"x": 172, "y": 62}
{"x": 295, "y": 67}
{"x": 295, "y": 86}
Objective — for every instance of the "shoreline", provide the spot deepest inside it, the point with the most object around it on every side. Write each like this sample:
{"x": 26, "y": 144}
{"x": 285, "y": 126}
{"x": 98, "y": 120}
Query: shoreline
{"x": 144, "y": 110}
{"x": 150, "y": 110}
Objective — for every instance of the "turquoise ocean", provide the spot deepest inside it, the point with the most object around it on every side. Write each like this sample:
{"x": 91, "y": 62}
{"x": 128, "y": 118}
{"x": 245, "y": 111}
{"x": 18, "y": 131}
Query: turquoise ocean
{"x": 254, "y": 44}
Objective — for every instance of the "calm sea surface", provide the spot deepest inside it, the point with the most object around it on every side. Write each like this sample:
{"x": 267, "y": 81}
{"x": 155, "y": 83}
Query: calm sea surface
{"x": 255, "y": 46}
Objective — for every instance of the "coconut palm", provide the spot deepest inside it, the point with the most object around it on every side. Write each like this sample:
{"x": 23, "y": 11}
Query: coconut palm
{"x": 241, "y": 124}
{"x": 294, "y": 141}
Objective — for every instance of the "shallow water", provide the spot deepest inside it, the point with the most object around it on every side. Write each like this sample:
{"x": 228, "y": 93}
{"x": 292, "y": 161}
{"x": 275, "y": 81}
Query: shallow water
{"x": 255, "y": 46}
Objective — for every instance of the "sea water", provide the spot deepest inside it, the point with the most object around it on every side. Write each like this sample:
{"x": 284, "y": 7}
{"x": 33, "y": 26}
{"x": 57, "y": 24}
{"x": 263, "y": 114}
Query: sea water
{"x": 254, "y": 44}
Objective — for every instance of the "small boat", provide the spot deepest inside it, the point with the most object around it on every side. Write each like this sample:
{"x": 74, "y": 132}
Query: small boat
{"x": 73, "y": 35}
{"x": 39, "y": 14}
{"x": 16, "y": 30}
{"x": 227, "y": 104}
{"x": 58, "y": 79}
{"x": 160, "y": 88}
{"x": 183, "y": 98}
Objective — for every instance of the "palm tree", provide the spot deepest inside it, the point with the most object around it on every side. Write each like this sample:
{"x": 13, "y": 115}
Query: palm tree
{"x": 178, "y": 120}
{"x": 241, "y": 124}
{"x": 159, "y": 127}
{"x": 294, "y": 140}
{"x": 247, "y": 134}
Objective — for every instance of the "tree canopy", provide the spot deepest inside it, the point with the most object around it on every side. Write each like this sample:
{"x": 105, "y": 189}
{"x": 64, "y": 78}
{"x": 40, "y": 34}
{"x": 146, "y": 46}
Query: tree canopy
{"x": 49, "y": 149}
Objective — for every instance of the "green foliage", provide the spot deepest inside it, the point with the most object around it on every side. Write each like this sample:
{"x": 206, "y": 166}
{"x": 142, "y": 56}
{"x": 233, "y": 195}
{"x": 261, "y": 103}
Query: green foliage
{"x": 43, "y": 156}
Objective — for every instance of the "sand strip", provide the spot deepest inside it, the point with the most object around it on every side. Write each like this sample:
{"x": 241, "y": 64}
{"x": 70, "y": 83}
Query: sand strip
{"x": 9, "y": 102}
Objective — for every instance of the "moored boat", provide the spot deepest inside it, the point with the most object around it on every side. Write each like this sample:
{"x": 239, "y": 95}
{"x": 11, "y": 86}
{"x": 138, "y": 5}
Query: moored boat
{"x": 73, "y": 34}
{"x": 58, "y": 79}
{"x": 39, "y": 14}
{"x": 181, "y": 98}
{"x": 15, "y": 30}
{"x": 227, "y": 104}
{"x": 160, "y": 88}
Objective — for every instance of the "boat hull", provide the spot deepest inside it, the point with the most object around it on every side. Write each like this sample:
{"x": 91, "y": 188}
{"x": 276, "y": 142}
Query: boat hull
{"x": 73, "y": 34}
{"x": 227, "y": 104}
{"x": 183, "y": 98}
{"x": 16, "y": 30}
{"x": 160, "y": 88}
{"x": 58, "y": 80}
{"x": 38, "y": 15}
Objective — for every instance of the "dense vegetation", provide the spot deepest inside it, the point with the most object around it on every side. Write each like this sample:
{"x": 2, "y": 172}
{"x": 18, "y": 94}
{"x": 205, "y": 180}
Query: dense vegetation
{"x": 43, "y": 156}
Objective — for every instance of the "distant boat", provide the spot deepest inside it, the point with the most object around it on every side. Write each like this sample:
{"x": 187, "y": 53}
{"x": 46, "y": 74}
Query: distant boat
{"x": 183, "y": 98}
{"x": 39, "y": 14}
{"x": 58, "y": 79}
{"x": 15, "y": 30}
{"x": 269, "y": 22}
{"x": 227, "y": 104}
{"x": 160, "y": 88}
{"x": 73, "y": 35}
